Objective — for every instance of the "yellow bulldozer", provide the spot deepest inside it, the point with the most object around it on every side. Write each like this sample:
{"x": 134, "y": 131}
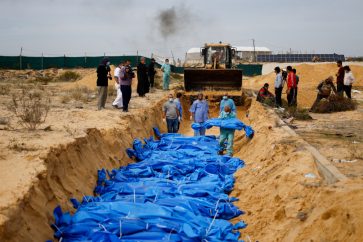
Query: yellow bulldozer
{"x": 217, "y": 73}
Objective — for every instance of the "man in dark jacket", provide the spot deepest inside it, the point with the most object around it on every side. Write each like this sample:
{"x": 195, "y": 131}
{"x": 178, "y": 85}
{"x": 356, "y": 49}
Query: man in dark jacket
{"x": 142, "y": 79}
{"x": 340, "y": 78}
{"x": 151, "y": 72}
{"x": 126, "y": 76}
{"x": 103, "y": 74}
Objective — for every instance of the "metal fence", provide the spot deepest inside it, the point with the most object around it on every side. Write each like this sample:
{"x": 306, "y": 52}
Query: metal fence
{"x": 300, "y": 58}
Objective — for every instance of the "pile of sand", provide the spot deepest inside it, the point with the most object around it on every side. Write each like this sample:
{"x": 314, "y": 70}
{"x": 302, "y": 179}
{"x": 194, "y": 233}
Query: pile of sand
{"x": 310, "y": 76}
{"x": 280, "y": 201}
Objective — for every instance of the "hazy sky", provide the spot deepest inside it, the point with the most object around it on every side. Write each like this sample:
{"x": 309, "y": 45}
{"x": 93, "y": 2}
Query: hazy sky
{"x": 116, "y": 27}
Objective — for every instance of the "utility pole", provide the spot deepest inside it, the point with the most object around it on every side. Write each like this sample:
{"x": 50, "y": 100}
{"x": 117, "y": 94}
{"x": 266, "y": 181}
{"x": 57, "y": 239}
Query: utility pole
{"x": 254, "y": 50}
{"x": 42, "y": 61}
{"x": 21, "y": 64}
{"x": 172, "y": 55}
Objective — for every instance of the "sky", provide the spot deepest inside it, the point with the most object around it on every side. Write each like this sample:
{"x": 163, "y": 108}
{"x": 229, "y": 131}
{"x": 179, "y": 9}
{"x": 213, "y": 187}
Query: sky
{"x": 170, "y": 27}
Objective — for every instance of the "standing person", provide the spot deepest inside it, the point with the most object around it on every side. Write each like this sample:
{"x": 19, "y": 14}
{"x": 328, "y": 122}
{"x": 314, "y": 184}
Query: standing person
{"x": 126, "y": 76}
{"x": 151, "y": 72}
{"x": 179, "y": 106}
{"x": 103, "y": 74}
{"x": 142, "y": 79}
{"x": 117, "y": 103}
{"x": 340, "y": 78}
{"x": 199, "y": 113}
{"x": 291, "y": 86}
{"x": 348, "y": 81}
{"x": 296, "y": 88}
{"x": 165, "y": 68}
{"x": 226, "y": 101}
{"x": 324, "y": 90}
{"x": 171, "y": 115}
{"x": 279, "y": 85}
{"x": 226, "y": 134}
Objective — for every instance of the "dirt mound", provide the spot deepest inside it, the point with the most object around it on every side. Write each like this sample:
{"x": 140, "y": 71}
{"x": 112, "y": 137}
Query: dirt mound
{"x": 310, "y": 76}
{"x": 281, "y": 202}
{"x": 335, "y": 103}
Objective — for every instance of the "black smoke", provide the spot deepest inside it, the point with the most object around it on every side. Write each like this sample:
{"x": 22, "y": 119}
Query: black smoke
{"x": 174, "y": 20}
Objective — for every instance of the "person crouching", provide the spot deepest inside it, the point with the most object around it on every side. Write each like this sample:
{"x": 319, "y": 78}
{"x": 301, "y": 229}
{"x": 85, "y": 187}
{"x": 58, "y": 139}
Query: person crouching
{"x": 226, "y": 134}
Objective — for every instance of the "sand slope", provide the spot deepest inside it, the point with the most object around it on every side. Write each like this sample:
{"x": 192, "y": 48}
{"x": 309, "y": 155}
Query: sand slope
{"x": 281, "y": 204}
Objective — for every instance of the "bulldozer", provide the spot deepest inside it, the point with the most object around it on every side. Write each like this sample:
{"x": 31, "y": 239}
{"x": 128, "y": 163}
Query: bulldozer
{"x": 217, "y": 73}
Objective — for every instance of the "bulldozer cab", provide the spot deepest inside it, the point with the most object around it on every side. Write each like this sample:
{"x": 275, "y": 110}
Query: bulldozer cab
{"x": 217, "y": 56}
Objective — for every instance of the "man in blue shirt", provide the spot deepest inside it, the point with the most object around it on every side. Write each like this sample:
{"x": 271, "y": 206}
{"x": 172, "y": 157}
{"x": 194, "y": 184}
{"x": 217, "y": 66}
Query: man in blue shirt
{"x": 226, "y": 101}
{"x": 165, "y": 68}
{"x": 279, "y": 84}
{"x": 199, "y": 113}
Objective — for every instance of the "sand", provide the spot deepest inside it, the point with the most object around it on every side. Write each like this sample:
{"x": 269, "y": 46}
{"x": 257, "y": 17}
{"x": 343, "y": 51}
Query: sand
{"x": 275, "y": 193}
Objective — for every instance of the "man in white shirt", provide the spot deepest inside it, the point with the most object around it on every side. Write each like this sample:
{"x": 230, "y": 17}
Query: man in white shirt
{"x": 279, "y": 84}
{"x": 117, "y": 103}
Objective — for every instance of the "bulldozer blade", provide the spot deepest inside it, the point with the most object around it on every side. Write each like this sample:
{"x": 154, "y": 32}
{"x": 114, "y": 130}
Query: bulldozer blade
{"x": 212, "y": 79}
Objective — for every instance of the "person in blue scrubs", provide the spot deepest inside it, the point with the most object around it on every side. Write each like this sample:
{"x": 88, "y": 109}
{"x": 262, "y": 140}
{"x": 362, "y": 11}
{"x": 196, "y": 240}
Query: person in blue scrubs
{"x": 226, "y": 134}
{"x": 226, "y": 101}
{"x": 166, "y": 69}
{"x": 199, "y": 113}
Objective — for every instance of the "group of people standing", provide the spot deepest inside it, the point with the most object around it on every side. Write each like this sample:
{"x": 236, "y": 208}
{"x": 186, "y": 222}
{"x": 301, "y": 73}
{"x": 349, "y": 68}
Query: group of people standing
{"x": 287, "y": 76}
{"x": 123, "y": 76}
{"x": 344, "y": 82}
{"x": 199, "y": 114}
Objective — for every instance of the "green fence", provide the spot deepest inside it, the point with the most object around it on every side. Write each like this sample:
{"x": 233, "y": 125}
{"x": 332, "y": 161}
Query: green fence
{"x": 40, "y": 63}
{"x": 250, "y": 69}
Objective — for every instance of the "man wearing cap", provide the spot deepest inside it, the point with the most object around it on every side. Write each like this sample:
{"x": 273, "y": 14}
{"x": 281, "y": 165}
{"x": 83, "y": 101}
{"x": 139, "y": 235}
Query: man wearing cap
{"x": 103, "y": 74}
{"x": 199, "y": 113}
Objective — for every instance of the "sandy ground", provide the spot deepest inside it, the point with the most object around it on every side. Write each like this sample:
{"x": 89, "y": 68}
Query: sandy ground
{"x": 41, "y": 169}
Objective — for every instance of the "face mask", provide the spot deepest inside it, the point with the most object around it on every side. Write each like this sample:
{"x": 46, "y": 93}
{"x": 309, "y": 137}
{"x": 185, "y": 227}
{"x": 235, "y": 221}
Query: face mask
{"x": 227, "y": 112}
{"x": 225, "y": 97}
{"x": 170, "y": 99}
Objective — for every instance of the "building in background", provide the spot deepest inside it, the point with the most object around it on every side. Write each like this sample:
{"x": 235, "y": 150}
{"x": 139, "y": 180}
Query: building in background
{"x": 247, "y": 54}
{"x": 193, "y": 58}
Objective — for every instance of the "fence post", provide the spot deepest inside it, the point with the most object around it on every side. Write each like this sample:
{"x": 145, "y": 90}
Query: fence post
{"x": 20, "y": 60}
